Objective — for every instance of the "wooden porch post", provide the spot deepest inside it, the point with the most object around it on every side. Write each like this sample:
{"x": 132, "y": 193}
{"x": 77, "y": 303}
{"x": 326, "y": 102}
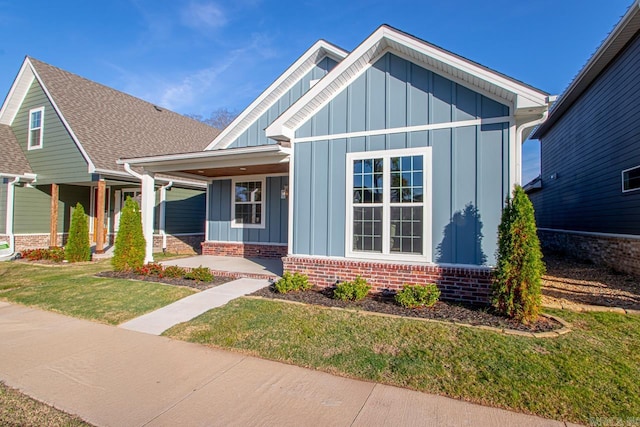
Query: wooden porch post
{"x": 100, "y": 204}
{"x": 53, "y": 227}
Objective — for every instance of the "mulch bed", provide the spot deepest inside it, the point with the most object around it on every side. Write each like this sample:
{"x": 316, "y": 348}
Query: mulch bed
{"x": 444, "y": 311}
{"x": 571, "y": 281}
{"x": 217, "y": 280}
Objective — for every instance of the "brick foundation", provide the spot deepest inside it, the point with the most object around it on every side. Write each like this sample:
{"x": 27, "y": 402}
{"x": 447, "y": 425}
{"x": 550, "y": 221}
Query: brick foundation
{"x": 471, "y": 285}
{"x": 180, "y": 244}
{"x": 619, "y": 253}
{"x": 248, "y": 250}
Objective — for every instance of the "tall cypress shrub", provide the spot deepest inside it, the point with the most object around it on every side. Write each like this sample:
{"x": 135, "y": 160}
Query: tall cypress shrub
{"x": 130, "y": 244}
{"x": 518, "y": 276}
{"x": 78, "y": 247}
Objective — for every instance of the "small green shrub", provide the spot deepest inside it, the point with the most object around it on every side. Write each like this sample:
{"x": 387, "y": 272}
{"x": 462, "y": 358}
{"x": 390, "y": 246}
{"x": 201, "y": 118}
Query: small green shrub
{"x": 151, "y": 269}
{"x": 412, "y": 296}
{"x": 518, "y": 276}
{"x": 292, "y": 282}
{"x": 78, "y": 247}
{"x": 201, "y": 274}
{"x": 129, "y": 250}
{"x": 352, "y": 291}
{"x": 174, "y": 272}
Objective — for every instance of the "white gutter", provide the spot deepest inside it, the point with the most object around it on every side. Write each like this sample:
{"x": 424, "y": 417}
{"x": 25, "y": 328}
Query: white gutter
{"x": 519, "y": 141}
{"x": 131, "y": 172}
{"x": 162, "y": 224}
{"x": 9, "y": 220}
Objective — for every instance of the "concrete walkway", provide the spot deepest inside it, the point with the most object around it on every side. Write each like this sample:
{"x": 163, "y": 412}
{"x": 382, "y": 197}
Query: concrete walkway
{"x": 192, "y": 306}
{"x": 115, "y": 377}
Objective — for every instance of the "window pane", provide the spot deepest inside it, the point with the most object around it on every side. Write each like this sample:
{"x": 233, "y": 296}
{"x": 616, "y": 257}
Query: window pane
{"x": 406, "y": 179}
{"x": 631, "y": 179}
{"x": 367, "y": 181}
{"x": 35, "y": 137}
{"x": 367, "y": 229}
{"x": 249, "y": 191}
{"x": 36, "y": 119}
{"x": 406, "y": 229}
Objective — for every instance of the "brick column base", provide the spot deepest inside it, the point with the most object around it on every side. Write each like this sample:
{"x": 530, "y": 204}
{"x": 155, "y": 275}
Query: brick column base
{"x": 248, "y": 250}
{"x": 469, "y": 285}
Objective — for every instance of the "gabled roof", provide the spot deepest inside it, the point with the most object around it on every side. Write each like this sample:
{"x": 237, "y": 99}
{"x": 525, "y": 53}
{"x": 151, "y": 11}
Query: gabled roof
{"x": 12, "y": 158}
{"x": 617, "y": 40}
{"x": 107, "y": 124}
{"x": 276, "y": 90}
{"x": 387, "y": 39}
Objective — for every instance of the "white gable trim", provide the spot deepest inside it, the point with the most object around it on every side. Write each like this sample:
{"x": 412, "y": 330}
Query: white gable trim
{"x": 272, "y": 94}
{"x": 386, "y": 39}
{"x": 16, "y": 96}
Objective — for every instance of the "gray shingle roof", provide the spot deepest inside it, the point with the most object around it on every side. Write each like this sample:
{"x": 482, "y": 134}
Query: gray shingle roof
{"x": 12, "y": 158}
{"x": 111, "y": 124}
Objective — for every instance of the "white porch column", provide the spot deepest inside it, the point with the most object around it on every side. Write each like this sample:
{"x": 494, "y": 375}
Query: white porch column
{"x": 148, "y": 206}
{"x": 9, "y": 216}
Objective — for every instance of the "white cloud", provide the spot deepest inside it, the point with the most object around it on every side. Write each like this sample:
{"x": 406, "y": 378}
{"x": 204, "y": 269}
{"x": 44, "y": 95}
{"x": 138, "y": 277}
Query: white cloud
{"x": 203, "y": 16}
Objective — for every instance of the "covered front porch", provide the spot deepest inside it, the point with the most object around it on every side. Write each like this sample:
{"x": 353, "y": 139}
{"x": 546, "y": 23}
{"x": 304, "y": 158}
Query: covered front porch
{"x": 227, "y": 266}
{"x": 247, "y": 199}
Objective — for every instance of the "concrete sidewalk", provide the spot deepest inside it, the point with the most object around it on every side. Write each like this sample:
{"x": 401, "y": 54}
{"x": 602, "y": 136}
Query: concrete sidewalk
{"x": 115, "y": 377}
{"x": 192, "y": 306}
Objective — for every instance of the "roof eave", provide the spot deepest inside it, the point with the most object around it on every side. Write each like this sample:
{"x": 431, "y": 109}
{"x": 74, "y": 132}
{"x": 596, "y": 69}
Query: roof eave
{"x": 615, "y": 42}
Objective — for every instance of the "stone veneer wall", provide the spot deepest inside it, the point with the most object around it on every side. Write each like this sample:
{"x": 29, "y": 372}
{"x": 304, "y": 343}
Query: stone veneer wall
{"x": 619, "y": 253}
{"x": 249, "y": 250}
{"x": 471, "y": 285}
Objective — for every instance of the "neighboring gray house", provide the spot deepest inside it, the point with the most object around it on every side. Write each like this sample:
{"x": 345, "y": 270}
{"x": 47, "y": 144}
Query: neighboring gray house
{"x": 392, "y": 162}
{"x": 60, "y": 137}
{"x": 587, "y": 199}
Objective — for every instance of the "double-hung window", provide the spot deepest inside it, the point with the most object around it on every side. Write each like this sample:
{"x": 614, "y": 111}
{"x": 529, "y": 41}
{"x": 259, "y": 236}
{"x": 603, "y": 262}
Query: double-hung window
{"x": 388, "y": 194}
{"x": 248, "y": 203}
{"x": 36, "y": 122}
{"x": 631, "y": 179}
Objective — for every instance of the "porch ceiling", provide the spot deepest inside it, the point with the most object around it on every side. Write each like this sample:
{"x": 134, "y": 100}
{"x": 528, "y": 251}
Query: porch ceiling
{"x": 242, "y": 170}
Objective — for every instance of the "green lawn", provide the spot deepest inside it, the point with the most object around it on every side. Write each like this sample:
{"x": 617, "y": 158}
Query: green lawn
{"x": 587, "y": 375}
{"x": 73, "y": 290}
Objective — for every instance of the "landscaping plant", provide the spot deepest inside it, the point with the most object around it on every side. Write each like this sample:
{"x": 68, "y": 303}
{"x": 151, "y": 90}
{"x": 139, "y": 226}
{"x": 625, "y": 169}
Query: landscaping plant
{"x": 292, "y": 282}
{"x": 151, "y": 269}
{"x": 51, "y": 254}
{"x": 352, "y": 291}
{"x": 174, "y": 272}
{"x": 517, "y": 282}
{"x": 78, "y": 247}
{"x": 201, "y": 274}
{"x": 413, "y": 296}
{"x": 129, "y": 248}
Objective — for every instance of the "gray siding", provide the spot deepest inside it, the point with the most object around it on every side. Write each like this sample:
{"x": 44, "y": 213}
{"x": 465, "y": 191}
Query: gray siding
{"x": 588, "y": 148}
{"x": 395, "y": 93}
{"x": 254, "y": 135}
{"x": 32, "y": 207}
{"x": 185, "y": 211}
{"x": 276, "y": 214}
{"x": 59, "y": 160}
{"x": 470, "y": 181}
{"x": 3, "y": 205}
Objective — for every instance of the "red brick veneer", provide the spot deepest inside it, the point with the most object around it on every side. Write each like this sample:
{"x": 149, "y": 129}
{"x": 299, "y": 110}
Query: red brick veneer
{"x": 248, "y": 250}
{"x": 472, "y": 285}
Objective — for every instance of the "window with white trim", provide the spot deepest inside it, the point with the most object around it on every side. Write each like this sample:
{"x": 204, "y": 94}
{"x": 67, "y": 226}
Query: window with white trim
{"x": 386, "y": 198}
{"x": 631, "y": 179}
{"x": 248, "y": 203}
{"x": 36, "y": 121}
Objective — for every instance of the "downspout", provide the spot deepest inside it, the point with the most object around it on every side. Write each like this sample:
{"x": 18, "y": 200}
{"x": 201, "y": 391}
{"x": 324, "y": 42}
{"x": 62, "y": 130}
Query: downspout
{"x": 9, "y": 219}
{"x": 131, "y": 172}
{"x": 519, "y": 133}
{"x": 162, "y": 222}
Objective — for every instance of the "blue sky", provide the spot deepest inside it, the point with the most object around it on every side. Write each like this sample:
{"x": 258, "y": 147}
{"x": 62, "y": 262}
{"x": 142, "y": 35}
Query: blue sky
{"x": 197, "y": 56}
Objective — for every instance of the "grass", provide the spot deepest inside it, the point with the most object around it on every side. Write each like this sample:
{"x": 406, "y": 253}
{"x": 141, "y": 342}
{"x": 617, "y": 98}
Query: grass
{"x": 17, "y": 409}
{"x": 586, "y": 376}
{"x": 73, "y": 290}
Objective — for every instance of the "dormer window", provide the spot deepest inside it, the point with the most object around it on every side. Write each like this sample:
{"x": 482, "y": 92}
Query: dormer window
{"x": 36, "y": 121}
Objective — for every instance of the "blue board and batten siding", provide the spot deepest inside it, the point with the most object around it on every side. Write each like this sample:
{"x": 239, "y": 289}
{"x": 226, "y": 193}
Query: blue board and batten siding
{"x": 220, "y": 215}
{"x": 254, "y": 135}
{"x": 587, "y": 150}
{"x": 470, "y": 169}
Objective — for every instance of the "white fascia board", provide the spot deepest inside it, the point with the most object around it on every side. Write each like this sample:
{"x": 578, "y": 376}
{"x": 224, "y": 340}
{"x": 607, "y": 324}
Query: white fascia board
{"x": 381, "y": 40}
{"x": 31, "y": 177}
{"x": 16, "y": 94}
{"x": 319, "y": 49}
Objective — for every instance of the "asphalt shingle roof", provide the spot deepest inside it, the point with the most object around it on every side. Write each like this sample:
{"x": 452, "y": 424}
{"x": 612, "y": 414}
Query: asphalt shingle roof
{"x": 12, "y": 158}
{"x": 111, "y": 124}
